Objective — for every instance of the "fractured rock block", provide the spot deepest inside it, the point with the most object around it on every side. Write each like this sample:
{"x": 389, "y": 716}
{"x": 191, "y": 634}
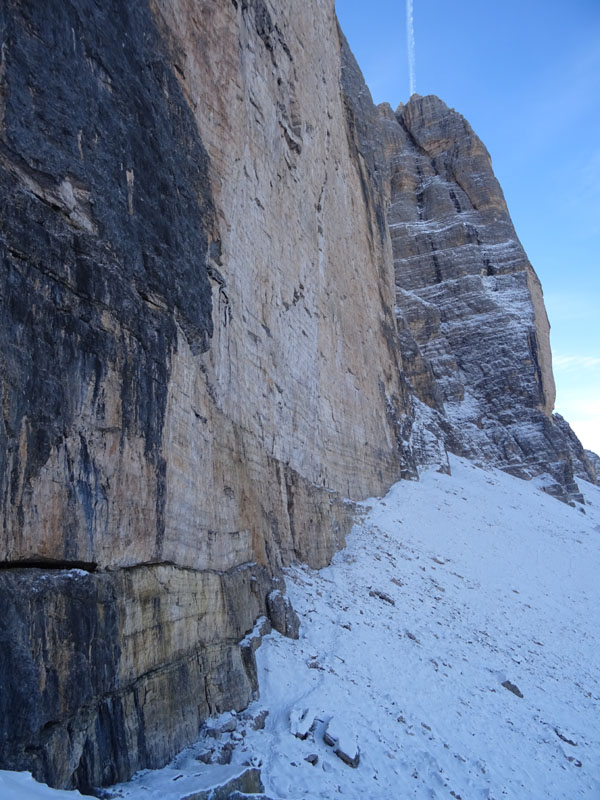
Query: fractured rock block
{"x": 343, "y": 741}
{"x": 247, "y": 783}
{"x": 282, "y": 615}
{"x": 258, "y": 722}
{"x": 382, "y": 596}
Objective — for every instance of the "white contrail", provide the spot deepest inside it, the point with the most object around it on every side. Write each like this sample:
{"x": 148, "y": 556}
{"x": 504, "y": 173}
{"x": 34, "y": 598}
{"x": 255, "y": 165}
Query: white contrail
{"x": 410, "y": 41}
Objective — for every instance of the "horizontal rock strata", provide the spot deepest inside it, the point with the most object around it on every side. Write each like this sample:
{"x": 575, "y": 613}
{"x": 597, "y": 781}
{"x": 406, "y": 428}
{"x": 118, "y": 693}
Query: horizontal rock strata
{"x": 471, "y": 300}
{"x": 102, "y": 672}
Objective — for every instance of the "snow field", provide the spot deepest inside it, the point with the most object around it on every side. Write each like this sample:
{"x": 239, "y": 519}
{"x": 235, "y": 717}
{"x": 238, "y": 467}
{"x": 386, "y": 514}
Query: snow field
{"x": 491, "y": 581}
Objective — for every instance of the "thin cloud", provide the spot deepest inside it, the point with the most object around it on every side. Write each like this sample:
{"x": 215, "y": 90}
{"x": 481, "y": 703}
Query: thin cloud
{"x": 410, "y": 41}
{"x": 575, "y": 363}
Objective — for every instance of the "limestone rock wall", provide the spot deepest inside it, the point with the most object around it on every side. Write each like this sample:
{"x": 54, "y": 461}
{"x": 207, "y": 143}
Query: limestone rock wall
{"x": 198, "y": 356}
{"x": 305, "y": 257}
{"x": 198, "y": 286}
{"x": 105, "y": 672}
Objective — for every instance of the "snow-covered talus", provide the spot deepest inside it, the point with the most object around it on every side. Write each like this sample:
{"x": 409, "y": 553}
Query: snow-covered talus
{"x": 454, "y": 641}
{"x": 453, "y": 593}
{"x": 472, "y": 301}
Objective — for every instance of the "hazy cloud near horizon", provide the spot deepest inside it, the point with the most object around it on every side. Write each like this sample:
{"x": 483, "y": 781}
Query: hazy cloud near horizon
{"x": 578, "y": 395}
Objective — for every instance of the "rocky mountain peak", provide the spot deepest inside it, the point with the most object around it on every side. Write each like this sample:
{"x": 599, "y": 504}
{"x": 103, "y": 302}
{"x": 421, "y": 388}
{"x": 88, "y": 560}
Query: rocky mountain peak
{"x": 469, "y": 296}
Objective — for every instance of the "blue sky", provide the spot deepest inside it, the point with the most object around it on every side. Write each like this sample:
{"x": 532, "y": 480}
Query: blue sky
{"x": 526, "y": 74}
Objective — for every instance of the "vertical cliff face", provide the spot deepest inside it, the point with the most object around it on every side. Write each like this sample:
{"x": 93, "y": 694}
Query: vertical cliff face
{"x": 199, "y": 367}
{"x": 303, "y": 355}
{"x": 236, "y": 297}
{"x": 470, "y": 298}
{"x": 108, "y": 221}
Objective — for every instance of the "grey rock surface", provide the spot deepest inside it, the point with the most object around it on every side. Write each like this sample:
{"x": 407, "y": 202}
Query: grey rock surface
{"x": 595, "y": 461}
{"x": 123, "y": 666}
{"x": 282, "y": 615}
{"x": 241, "y": 795}
{"x": 471, "y": 300}
{"x": 248, "y": 784}
{"x": 511, "y": 687}
{"x": 585, "y": 463}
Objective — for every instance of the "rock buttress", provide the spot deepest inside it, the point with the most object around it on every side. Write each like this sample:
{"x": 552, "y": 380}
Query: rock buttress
{"x": 472, "y": 301}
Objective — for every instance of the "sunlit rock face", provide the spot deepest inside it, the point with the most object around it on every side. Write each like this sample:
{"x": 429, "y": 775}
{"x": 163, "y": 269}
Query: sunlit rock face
{"x": 199, "y": 361}
{"x": 472, "y": 301}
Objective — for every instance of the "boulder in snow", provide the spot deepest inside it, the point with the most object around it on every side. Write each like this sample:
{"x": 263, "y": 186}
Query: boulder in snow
{"x": 258, "y": 722}
{"x": 245, "y": 783}
{"x": 282, "y": 615}
{"x": 568, "y": 738}
{"x": 301, "y": 721}
{"x": 382, "y": 596}
{"x": 343, "y": 741}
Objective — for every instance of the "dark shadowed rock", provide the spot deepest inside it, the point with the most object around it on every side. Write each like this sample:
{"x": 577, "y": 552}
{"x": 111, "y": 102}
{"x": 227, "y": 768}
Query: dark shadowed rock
{"x": 282, "y": 615}
{"x": 302, "y": 722}
{"x": 86, "y": 659}
{"x": 382, "y": 596}
{"x": 244, "y": 796}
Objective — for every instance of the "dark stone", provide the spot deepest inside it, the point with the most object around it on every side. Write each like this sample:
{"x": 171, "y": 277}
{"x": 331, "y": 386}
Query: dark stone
{"x": 258, "y": 723}
{"x": 79, "y": 712}
{"x": 512, "y": 688}
{"x": 74, "y": 616}
{"x": 225, "y": 753}
{"x": 351, "y": 760}
{"x": 282, "y": 615}
{"x": 564, "y": 738}
{"x": 106, "y": 209}
{"x": 382, "y": 596}
{"x": 244, "y": 796}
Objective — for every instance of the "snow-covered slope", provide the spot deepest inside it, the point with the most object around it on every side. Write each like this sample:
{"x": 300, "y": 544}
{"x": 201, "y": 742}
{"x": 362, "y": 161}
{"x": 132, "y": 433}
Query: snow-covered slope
{"x": 456, "y": 595}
